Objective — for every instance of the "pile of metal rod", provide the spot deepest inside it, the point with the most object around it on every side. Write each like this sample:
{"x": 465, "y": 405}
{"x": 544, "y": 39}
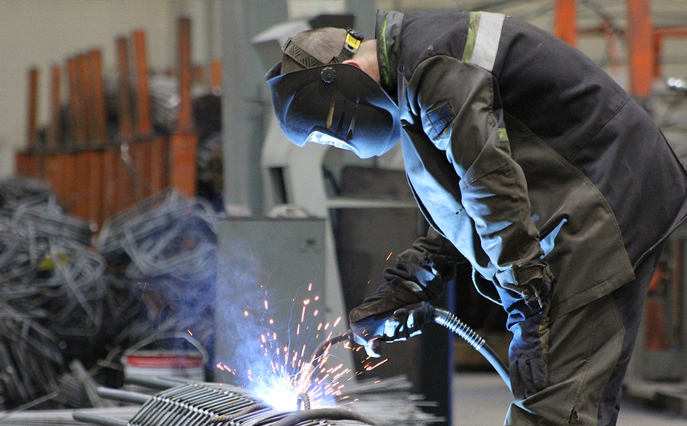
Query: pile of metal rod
{"x": 16, "y": 189}
{"x": 166, "y": 235}
{"x": 164, "y": 250}
{"x": 47, "y": 270}
{"x": 53, "y": 298}
{"x": 47, "y": 219}
{"x": 30, "y": 359}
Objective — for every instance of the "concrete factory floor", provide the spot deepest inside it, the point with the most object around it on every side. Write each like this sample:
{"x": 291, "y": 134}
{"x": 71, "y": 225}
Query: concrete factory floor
{"x": 481, "y": 399}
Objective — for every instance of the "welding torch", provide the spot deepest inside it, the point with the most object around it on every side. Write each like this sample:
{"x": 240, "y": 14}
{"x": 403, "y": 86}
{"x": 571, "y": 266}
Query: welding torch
{"x": 403, "y": 324}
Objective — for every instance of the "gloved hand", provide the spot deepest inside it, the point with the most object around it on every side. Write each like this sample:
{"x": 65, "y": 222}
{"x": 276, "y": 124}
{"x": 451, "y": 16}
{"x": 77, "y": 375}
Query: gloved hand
{"x": 374, "y": 319}
{"x": 403, "y": 324}
{"x": 408, "y": 283}
{"x": 529, "y": 323}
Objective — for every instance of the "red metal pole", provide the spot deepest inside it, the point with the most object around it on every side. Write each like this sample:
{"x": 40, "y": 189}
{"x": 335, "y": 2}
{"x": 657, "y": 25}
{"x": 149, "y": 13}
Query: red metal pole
{"x": 78, "y": 134}
{"x": 144, "y": 124}
{"x": 32, "y": 126}
{"x": 184, "y": 141}
{"x": 640, "y": 42}
{"x": 216, "y": 76}
{"x": 94, "y": 157}
{"x": 126, "y": 127}
{"x": 185, "y": 122}
{"x": 565, "y": 21}
{"x": 98, "y": 98}
{"x": 86, "y": 96}
{"x": 55, "y": 108}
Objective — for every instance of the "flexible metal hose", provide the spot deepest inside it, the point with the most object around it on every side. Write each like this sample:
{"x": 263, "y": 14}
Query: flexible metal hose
{"x": 451, "y": 322}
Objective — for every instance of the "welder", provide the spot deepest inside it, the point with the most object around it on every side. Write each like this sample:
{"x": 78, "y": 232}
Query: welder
{"x": 528, "y": 161}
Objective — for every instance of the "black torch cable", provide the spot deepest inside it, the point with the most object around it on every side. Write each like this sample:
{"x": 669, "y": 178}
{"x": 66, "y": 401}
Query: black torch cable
{"x": 451, "y": 322}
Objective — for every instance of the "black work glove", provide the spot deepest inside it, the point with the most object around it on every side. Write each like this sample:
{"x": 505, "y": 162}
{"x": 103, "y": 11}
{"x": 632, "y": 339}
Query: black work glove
{"x": 408, "y": 284}
{"x": 529, "y": 323}
{"x": 376, "y": 319}
{"x": 401, "y": 325}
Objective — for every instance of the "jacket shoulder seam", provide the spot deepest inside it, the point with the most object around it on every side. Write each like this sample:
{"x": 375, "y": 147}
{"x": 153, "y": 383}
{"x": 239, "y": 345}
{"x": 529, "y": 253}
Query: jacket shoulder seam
{"x": 572, "y": 158}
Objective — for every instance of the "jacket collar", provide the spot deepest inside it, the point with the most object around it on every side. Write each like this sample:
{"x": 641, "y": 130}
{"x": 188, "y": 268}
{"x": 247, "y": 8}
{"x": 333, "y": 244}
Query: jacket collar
{"x": 388, "y": 36}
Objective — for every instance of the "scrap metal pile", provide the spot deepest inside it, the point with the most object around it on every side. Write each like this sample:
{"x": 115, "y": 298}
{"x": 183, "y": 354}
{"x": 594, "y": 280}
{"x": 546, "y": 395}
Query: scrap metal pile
{"x": 164, "y": 250}
{"x": 51, "y": 294}
{"x": 62, "y": 302}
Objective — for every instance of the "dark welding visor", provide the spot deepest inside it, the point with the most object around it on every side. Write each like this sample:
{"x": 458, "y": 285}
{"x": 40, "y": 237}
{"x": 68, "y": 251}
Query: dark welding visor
{"x": 336, "y": 104}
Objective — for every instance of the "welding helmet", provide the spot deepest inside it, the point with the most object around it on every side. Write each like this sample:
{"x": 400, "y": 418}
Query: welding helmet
{"x": 333, "y": 104}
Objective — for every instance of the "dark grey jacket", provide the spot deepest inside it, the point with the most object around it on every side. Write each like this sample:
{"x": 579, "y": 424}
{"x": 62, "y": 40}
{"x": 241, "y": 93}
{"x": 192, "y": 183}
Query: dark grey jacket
{"x": 521, "y": 152}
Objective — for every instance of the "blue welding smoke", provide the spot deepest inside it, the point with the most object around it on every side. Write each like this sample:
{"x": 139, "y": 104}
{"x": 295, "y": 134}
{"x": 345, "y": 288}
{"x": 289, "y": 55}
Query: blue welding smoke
{"x": 263, "y": 332}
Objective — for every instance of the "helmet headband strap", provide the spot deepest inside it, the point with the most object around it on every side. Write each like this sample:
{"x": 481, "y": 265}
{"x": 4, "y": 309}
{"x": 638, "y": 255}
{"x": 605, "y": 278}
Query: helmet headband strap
{"x": 306, "y": 60}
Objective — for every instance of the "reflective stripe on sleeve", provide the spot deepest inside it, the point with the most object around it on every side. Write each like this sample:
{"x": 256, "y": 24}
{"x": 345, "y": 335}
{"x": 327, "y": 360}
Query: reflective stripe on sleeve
{"x": 485, "y": 45}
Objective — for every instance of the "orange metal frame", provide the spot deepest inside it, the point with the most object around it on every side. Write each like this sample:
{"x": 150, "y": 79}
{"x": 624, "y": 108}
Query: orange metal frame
{"x": 645, "y": 43}
{"x": 87, "y": 171}
{"x": 183, "y": 144}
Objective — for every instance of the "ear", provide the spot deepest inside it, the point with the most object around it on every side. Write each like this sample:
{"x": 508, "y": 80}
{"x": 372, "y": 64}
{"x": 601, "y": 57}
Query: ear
{"x": 352, "y": 62}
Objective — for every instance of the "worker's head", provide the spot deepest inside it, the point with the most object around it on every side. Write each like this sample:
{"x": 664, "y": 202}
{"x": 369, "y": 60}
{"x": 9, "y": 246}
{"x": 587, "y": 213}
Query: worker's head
{"x": 321, "y": 94}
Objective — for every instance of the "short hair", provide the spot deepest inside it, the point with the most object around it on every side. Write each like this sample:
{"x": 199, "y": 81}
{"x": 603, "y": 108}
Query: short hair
{"x": 322, "y": 43}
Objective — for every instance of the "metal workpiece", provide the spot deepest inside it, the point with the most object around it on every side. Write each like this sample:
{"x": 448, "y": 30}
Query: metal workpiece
{"x": 387, "y": 401}
{"x": 123, "y": 396}
{"x": 99, "y": 420}
{"x": 190, "y": 404}
{"x": 216, "y": 404}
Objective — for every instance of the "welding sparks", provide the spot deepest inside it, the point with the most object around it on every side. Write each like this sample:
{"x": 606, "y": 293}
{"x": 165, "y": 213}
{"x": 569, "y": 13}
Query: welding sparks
{"x": 277, "y": 369}
{"x": 370, "y": 367}
{"x": 389, "y": 256}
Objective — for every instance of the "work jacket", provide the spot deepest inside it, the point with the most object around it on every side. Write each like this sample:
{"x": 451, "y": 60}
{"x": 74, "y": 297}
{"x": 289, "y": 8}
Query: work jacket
{"x": 523, "y": 155}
